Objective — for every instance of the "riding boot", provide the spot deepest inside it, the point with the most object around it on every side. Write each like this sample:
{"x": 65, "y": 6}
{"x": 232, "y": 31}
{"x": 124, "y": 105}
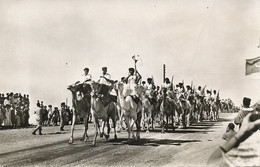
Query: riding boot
{"x": 34, "y": 132}
{"x": 40, "y": 131}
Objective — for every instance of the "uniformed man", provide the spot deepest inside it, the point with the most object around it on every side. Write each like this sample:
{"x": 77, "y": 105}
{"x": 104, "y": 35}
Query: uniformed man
{"x": 62, "y": 116}
{"x": 39, "y": 114}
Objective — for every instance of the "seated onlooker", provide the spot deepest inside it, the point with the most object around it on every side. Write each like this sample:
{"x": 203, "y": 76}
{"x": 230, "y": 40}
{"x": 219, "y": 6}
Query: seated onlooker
{"x": 230, "y": 132}
{"x": 247, "y": 129}
{"x": 246, "y": 109}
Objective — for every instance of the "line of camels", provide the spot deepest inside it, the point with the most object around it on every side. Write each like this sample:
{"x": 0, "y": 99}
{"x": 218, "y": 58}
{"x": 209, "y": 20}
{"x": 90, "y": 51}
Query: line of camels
{"x": 142, "y": 114}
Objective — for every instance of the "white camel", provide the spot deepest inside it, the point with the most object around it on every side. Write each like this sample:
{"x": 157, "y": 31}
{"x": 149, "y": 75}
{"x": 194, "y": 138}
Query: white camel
{"x": 132, "y": 110}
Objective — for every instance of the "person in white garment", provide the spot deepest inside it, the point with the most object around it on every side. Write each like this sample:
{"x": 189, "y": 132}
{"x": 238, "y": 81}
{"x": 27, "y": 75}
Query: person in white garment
{"x": 132, "y": 80}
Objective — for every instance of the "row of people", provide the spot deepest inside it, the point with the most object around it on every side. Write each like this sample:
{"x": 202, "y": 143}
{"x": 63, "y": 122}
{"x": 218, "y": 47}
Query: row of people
{"x": 14, "y": 110}
{"x": 55, "y": 117}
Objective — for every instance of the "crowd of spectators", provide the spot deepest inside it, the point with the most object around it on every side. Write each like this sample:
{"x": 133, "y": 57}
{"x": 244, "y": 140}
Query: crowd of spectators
{"x": 14, "y": 110}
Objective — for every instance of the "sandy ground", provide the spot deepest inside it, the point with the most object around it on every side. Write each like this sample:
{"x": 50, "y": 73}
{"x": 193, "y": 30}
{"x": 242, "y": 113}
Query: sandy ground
{"x": 183, "y": 147}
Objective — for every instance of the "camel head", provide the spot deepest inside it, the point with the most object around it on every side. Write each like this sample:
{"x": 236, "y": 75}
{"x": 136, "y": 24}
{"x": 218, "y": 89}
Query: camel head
{"x": 164, "y": 90}
{"x": 120, "y": 86}
{"x": 94, "y": 86}
{"x": 140, "y": 89}
{"x": 72, "y": 88}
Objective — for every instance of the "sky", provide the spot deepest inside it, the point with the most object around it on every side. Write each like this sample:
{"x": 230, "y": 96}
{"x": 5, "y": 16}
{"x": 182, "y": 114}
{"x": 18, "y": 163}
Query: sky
{"x": 45, "y": 45}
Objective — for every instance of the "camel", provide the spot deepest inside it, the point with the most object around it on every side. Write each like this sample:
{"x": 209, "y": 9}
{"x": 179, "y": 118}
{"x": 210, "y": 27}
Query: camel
{"x": 215, "y": 110}
{"x": 102, "y": 112}
{"x": 132, "y": 110}
{"x": 147, "y": 112}
{"x": 200, "y": 107}
{"x": 81, "y": 108}
{"x": 192, "y": 108}
{"x": 120, "y": 112}
{"x": 167, "y": 109}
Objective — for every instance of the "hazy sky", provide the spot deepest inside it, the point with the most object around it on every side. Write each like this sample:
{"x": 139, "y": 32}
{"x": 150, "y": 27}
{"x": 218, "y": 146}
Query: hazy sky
{"x": 45, "y": 45}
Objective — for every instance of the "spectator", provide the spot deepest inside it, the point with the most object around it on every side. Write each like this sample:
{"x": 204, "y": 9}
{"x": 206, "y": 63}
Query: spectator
{"x": 2, "y": 114}
{"x": 247, "y": 129}
{"x": 230, "y": 132}
{"x": 243, "y": 112}
{"x": 8, "y": 121}
{"x": 55, "y": 116}
{"x": 49, "y": 115}
{"x": 39, "y": 114}
{"x": 62, "y": 116}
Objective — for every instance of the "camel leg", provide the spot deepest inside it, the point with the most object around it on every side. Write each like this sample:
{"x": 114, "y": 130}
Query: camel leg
{"x": 132, "y": 122}
{"x": 162, "y": 123}
{"x": 172, "y": 122}
{"x": 153, "y": 116}
{"x": 188, "y": 119}
{"x": 127, "y": 121}
{"x": 85, "y": 136}
{"x": 138, "y": 126}
{"x": 108, "y": 129}
{"x": 143, "y": 119}
{"x": 103, "y": 124}
{"x": 72, "y": 128}
{"x": 149, "y": 117}
{"x": 97, "y": 128}
{"x": 119, "y": 119}
{"x": 122, "y": 121}
{"x": 114, "y": 123}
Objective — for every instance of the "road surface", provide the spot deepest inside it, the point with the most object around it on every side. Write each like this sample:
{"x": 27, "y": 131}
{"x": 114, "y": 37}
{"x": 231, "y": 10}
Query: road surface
{"x": 191, "y": 146}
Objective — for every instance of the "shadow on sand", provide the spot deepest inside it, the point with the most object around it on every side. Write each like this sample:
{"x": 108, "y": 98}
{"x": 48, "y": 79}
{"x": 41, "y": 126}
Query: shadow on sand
{"x": 150, "y": 142}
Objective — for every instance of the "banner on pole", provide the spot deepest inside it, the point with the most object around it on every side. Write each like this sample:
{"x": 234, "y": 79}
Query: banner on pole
{"x": 252, "y": 65}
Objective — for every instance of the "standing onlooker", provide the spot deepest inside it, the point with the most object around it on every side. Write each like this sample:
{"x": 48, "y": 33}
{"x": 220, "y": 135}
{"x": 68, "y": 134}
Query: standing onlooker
{"x": 2, "y": 114}
{"x": 26, "y": 115}
{"x": 62, "y": 116}
{"x": 246, "y": 109}
{"x": 7, "y": 100}
{"x": 49, "y": 114}
{"x": 8, "y": 120}
{"x": 39, "y": 113}
{"x": 55, "y": 116}
{"x": 17, "y": 122}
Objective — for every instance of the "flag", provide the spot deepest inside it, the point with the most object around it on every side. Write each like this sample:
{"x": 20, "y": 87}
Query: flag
{"x": 135, "y": 58}
{"x": 252, "y": 65}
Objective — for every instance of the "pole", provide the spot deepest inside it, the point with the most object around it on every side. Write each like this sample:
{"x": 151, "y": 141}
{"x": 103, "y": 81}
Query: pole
{"x": 164, "y": 71}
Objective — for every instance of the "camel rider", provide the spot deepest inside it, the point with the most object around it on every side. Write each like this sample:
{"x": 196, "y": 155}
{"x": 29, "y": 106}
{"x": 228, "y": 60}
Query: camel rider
{"x": 208, "y": 97}
{"x": 150, "y": 91}
{"x": 167, "y": 84}
{"x": 106, "y": 85}
{"x": 132, "y": 80}
{"x": 215, "y": 96}
{"x": 189, "y": 94}
{"x": 86, "y": 77}
{"x": 144, "y": 84}
{"x": 105, "y": 82}
{"x": 181, "y": 95}
{"x": 199, "y": 91}
{"x": 84, "y": 84}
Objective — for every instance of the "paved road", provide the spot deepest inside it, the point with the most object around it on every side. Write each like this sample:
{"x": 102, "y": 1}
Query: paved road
{"x": 190, "y": 146}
